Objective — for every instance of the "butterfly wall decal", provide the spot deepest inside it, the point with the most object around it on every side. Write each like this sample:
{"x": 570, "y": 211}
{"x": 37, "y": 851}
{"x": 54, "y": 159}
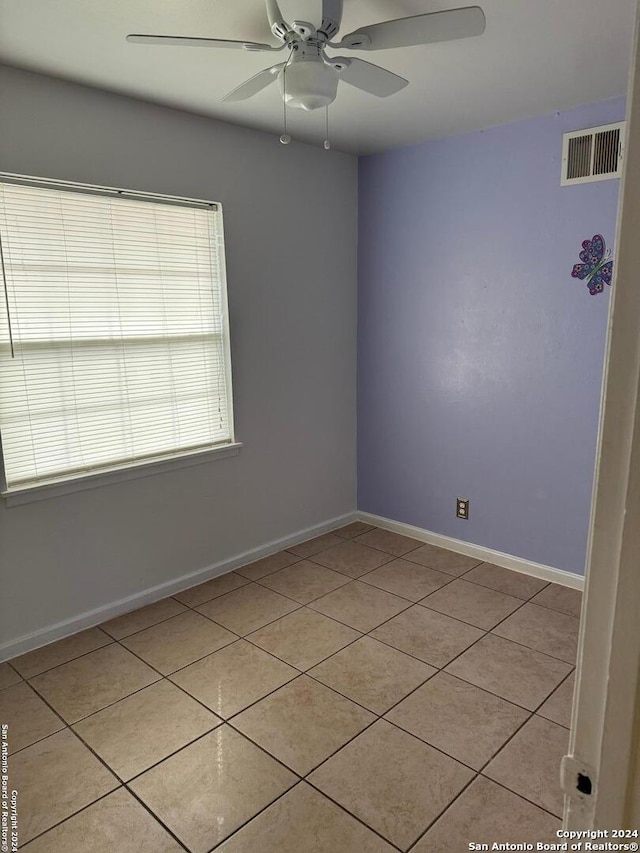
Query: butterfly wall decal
{"x": 596, "y": 267}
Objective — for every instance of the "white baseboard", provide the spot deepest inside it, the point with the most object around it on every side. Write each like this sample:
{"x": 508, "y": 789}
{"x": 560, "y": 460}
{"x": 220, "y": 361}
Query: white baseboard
{"x": 487, "y": 555}
{"x": 91, "y": 618}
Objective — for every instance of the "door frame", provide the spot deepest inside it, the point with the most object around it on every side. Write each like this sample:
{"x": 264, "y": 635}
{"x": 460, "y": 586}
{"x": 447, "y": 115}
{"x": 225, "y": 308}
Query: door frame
{"x": 605, "y": 730}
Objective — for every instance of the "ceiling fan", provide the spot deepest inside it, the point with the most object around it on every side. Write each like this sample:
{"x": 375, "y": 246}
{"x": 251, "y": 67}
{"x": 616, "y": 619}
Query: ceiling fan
{"x": 308, "y": 79}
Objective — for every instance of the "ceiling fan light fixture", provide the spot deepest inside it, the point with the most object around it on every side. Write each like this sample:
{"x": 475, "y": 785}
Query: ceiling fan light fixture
{"x": 308, "y": 84}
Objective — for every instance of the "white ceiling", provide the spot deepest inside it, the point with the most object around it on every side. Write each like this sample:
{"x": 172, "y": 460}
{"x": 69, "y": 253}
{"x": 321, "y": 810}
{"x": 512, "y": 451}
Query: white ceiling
{"x": 536, "y": 56}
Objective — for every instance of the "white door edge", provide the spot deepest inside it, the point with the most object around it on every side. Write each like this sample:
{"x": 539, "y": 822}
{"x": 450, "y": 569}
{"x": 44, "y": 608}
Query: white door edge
{"x": 606, "y": 712}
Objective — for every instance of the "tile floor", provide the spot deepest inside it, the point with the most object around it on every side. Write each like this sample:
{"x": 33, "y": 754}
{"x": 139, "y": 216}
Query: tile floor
{"x": 358, "y": 693}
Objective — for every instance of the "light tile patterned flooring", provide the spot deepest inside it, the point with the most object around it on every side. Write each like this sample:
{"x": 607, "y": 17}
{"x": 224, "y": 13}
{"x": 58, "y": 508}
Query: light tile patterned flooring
{"x": 358, "y": 693}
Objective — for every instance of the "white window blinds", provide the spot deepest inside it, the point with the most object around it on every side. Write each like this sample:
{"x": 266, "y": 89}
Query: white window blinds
{"x": 113, "y": 331}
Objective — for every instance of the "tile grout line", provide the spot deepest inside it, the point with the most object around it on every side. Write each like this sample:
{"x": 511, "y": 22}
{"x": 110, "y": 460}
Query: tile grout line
{"x": 522, "y": 797}
{"x": 468, "y": 785}
{"x": 444, "y": 810}
{"x": 256, "y": 815}
{"x": 75, "y": 657}
{"x": 302, "y": 781}
{"x": 352, "y": 815}
{"x": 201, "y": 737}
{"x": 238, "y": 572}
{"x": 264, "y": 808}
{"x": 525, "y": 646}
{"x": 13, "y": 669}
{"x": 118, "y": 778}
{"x": 65, "y": 819}
{"x": 152, "y": 625}
{"x": 555, "y": 690}
{"x": 409, "y": 604}
{"x": 65, "y": 725}
{"x": 155, "y": 817}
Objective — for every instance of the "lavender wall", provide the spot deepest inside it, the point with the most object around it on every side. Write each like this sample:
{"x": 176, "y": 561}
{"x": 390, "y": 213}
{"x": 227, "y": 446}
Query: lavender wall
{"x": 480, "y": 358}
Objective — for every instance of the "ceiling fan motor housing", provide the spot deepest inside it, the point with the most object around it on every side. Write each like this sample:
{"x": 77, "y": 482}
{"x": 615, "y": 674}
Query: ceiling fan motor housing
{"x": 308, "y": 82}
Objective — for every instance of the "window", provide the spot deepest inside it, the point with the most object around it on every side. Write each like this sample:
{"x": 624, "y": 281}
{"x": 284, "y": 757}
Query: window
{"x": 114, "y": 346}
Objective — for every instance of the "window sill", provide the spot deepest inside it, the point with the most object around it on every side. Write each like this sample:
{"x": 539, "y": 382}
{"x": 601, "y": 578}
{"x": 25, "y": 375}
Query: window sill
{"x": 44, "y": 491}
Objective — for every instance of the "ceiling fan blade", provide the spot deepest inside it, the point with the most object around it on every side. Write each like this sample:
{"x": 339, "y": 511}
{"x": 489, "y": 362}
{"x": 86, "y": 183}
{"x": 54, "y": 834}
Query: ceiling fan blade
{"x": 254, "y": 84}
{"x": 368, "y": 77}
{"x": 331, "y": 17}
{"x": 279, "y": 27}
{"x": 136, "y": 38}
{"x": 419, "y": 29}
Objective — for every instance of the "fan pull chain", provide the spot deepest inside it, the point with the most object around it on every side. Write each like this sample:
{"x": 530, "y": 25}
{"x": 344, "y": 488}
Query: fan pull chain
{"x": 327, "y": 144}
{"x": 285, "y": 138}
{"x": 6, "y": 299}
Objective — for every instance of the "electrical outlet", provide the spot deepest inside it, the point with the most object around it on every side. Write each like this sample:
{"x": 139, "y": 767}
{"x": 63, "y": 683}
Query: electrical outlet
{"x": 462, "y": 508}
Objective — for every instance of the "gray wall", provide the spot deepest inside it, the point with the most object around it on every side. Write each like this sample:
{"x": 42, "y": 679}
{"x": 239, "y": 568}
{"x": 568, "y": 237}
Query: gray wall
{"x": 291, "y": 234}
